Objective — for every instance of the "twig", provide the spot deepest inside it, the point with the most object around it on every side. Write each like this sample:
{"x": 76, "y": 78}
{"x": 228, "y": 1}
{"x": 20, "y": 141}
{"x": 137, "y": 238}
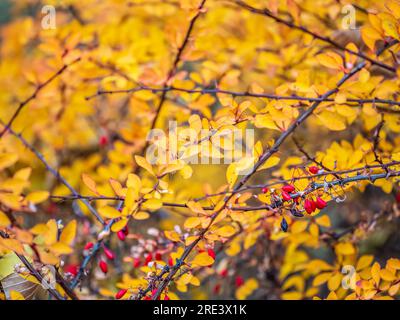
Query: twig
{"x": 34, "y": 94}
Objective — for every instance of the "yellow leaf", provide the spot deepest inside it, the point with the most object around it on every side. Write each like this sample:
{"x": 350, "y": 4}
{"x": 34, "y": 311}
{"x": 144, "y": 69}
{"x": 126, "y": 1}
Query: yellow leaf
{"x": 321, "y": 278}
{"x": 226, "y": 231}
{"x": 202, "y": 260}
{"x": 4, "y": 220}
{"x": 334, "y": 281}
{"x": 364, "y": 262}
{"x": 69, "y": 232}
{"x": 109, "y": 212}
{"x": 332, "y": 120}
{"x": 51, "y": 234}
{"x": 116, "y": 186}
{"x": 387, "y": 275}
{"x": 299, "y": 226}
{"x": 345, "y": 248}
{"x": 15, "y": 295}
{"x": 330, "y": 60}
{"x": 271, "y": 162}
{"x": 393, "y": 263}
{"x": 152, "y": 204}
{"x": 231, "y": 175}
{"x": 133, "y": 181}
{"x": 119, "y": 225}
{"x": 89, "y": 182}
{"x": 141, "y": 215}
{"x": 323, "y": 221}
{"x": 37, "y": 196}
{"x": 173, "y": 236}
{"x": 340, "y": 98}
{"x": 375, "y": 272}
{"x": 10, "y": 200}
{"x": 60, "y": 248}
{"x": 191, "y": 222}
{"x": 7, "y": 160}
{"x": 142, "y": 162}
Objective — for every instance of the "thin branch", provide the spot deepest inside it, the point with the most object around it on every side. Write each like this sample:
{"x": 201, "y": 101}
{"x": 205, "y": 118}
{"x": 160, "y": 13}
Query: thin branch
{"x": 241, "y": 94}
{"x": 54, "y": 172}
{"x": 268, "y": 13}
{"x": 264, "y": 157}
{"x": 34, "y": 94}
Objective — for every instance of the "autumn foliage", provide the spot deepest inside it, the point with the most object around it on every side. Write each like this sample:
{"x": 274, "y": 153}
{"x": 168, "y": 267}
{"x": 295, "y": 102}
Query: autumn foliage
{"x": 309, "y": 210}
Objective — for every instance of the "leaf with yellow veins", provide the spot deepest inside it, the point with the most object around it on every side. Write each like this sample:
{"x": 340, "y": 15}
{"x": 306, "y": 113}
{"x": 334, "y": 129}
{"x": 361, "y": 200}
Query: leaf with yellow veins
{"x": 69, "y": 232}
{"x": 202, "y": 260}
{"x": 142, "y": 162}
{"x": 89, "y": 183}
{"x": 36, "y": 197}
{"x": 331, "y": 60}
{"x": 109, "y": 212}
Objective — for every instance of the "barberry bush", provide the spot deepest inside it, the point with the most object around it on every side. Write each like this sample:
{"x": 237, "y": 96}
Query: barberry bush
{"x": 119, "y": 177}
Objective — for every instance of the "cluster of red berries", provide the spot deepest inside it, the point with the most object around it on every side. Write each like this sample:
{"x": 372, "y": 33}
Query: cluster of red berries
{"x": 311, "y": 205}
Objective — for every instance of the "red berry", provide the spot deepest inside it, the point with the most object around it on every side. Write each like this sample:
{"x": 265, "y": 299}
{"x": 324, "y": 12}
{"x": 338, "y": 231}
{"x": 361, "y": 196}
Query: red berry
{"x": 313, "y": 169}
{"x": 217, "y": 288}
{"x": 72, "y": 269}
{"x": 264, "y": 190}
{"x": 224, "y": 273}
{"x": 320, "y": 204}
{"x": 136, "y": 262}
{"x": 171, "y": 262}
{"x": 285, "y": 196}
{"x": 239, "y": 281}
{"x": 88, "y": 246}
{"x": 103, "y": 266}
{"x": 308, "y": 206}
{"x": 211, "y": 253}
{"x": 166, "y": 297}
{"x": 109, "y": 254}
{"x": 148, "y": 258}
{"x": 158, "y": 256}
{"x": 121, "y": 235}
{"x": 120, "y": 293}
{"x": 103, "y": 140}
{"x": 288, "y": 188}
{"x": 313, "y": 205}
{"x": 154, "y": 292}
{"x": 146, "y": 298}
{"x": 125, "y": 230}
